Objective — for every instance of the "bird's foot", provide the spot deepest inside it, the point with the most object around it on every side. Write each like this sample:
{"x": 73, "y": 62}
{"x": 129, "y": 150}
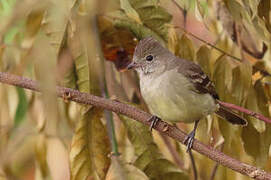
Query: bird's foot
{"x": 189, "y": 140}
{"x": 154, "y": 120}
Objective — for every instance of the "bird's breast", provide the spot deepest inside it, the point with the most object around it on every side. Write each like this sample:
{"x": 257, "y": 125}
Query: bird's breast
{"x": 171, "y": 97}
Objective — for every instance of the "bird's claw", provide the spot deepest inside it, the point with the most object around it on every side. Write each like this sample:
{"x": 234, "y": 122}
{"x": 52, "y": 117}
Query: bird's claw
{"x": 189, "y": 140}
{"x": 154, "y": 120}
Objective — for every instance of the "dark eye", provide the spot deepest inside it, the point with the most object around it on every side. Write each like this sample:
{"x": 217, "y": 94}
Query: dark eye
{"x": 149, "y": 58}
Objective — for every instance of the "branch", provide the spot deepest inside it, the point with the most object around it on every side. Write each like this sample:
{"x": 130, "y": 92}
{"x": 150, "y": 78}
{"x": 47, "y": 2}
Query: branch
{"x": 143, "y": 117}
{"x": 246, "y": 111}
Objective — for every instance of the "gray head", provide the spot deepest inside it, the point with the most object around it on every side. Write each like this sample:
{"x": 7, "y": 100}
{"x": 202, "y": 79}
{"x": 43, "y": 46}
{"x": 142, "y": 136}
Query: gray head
{"x": 149, "y": 57}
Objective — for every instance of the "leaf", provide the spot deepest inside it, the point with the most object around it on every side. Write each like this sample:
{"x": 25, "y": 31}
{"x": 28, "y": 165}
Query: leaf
{"x": 69, "y": 79}
{"x": 150, "y": 154}
{"x": 55, "y": 23}
{"x": 117, "y": 44}
{"x": 57, "y": 158}
{"x": 41, "y": 154}
{"x": 121, "y": 21}
{"x": 241, "y": 82}
{"x": 129, "y": 10}
{"x": 187, "y": 5}
{"x": 154, "y": 18}
{"x": 34, "y": 24}
{"x": 203, "y": 58}
{"x": 263, "y": 12}
{"x": 202, "y": 6}
{"x": 90, "y": 147}
{"x": 164, "y": 169}
{"x": 124, "y": 171}
{"x": 256, "y": 136}
{"x": 138, "y": 134}
{"x": 84, "y": 52}
{"x": 235, "y": 9}
{"x": 185, "y": 48}
{"x": 222, "y": 75}
{"x": 22, "y": 107}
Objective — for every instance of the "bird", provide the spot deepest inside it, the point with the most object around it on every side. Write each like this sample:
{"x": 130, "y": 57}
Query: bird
{"x": 175, "y": 89}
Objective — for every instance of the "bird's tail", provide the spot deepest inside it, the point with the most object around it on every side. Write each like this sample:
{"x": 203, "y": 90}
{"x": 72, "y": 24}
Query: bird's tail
{"x": 231, "y": 116}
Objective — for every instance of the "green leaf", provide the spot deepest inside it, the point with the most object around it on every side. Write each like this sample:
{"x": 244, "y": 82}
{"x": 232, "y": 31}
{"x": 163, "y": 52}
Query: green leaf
{"x": 120, "y": 20}
{"x": 129, "y": 10}
{"x": 90, "y": 147}
{"x": 138, "y": 134}
{"x": 153, "y": 16}
{"x": 22, "y": 107}
{"x": 153, "y": 19}
{"x": 202, "y": 7}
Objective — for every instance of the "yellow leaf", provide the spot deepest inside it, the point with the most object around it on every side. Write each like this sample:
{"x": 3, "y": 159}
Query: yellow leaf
{"x": 90, "y": 147}
{"x": 185, "y": 48}
{"x": 41, "y": 153}
{"x": 124, "y": 171}
{"x": 203, "y": 58}
{"x": 164, "y": 169}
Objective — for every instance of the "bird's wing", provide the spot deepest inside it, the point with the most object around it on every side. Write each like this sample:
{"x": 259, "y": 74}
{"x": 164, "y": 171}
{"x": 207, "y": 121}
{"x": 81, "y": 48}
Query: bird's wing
{"x": 200, "y": 80}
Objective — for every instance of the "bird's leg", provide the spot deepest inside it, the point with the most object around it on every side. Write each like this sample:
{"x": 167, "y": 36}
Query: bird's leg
{"x": 154, "y": 120}
{"x": 190, "y": 137}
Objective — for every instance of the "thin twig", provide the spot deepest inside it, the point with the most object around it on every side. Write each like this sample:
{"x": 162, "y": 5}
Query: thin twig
{"x": 193, "y": 163}
{"x": 220, "y": 50}
{"x": 246, "y": 111}
{"x": 143, "y": 117}
{"x": 209, "y": 44}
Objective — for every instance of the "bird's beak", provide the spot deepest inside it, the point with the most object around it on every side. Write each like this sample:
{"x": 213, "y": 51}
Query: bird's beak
{"x": 132, "y": 65}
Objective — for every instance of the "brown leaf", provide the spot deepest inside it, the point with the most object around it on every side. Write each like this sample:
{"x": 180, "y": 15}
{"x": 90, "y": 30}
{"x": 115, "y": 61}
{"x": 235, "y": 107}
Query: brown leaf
{"x": 117, "y": 44}
{"x": 90, "y": 147}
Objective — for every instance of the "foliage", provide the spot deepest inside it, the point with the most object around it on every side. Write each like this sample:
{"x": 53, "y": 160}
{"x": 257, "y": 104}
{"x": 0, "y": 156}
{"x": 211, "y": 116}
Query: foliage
{"x": 86, "y": 44}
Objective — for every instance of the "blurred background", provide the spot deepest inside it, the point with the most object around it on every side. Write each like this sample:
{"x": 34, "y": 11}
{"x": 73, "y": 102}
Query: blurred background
{"x": 86, "y": 45}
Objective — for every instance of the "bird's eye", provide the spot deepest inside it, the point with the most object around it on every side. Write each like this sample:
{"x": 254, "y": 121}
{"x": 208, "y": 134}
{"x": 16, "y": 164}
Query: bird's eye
{"x": 149, "y": 58}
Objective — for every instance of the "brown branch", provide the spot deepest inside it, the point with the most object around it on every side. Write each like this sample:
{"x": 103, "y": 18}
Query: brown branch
{"x": 246, "y": 111}
{"x": 216, "y": 165}
{"x": 143, "y": 117}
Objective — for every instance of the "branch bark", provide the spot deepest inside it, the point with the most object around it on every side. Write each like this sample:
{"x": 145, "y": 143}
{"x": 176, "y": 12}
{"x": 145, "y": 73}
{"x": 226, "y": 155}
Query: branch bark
{"x": 246, "y": 111}
{"x": 143, "y": 117}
